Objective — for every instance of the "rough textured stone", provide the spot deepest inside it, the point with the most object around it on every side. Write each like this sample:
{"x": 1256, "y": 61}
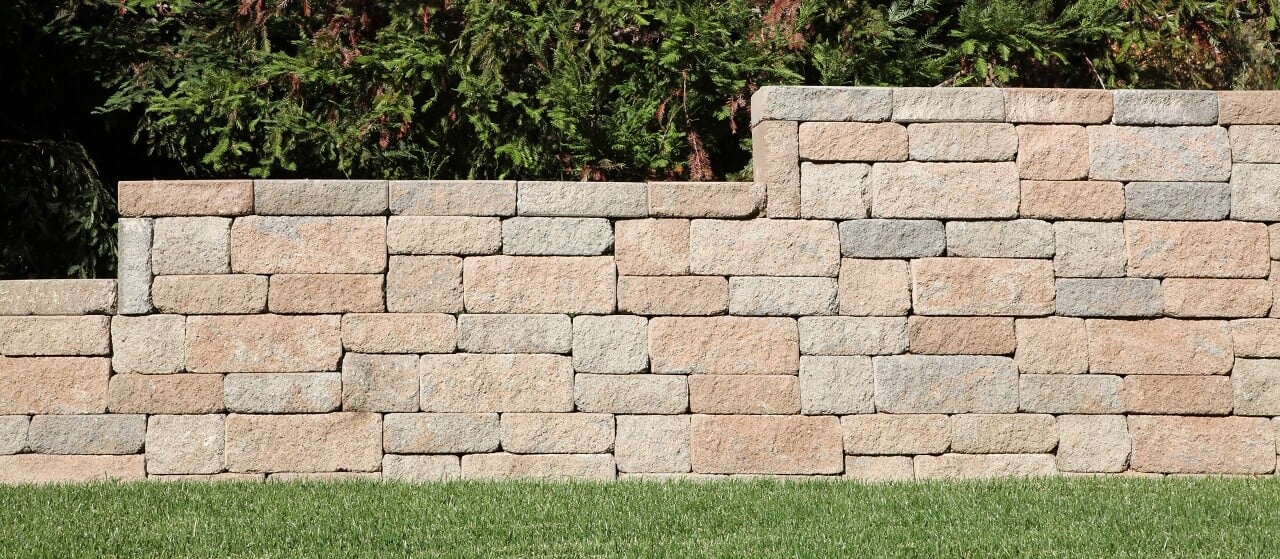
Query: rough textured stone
{"x": 982, "y": 286}
{"x": 323, "y": 476}
{"x": 1164, "y": 153}
{"x": 379, "y": 382}
{"x": 746, "y": 444}
{"x": 1217, "y": 297}
{"x": 1089, "y": 249}
{"x": 944, "y": 190}
{"x": 1255, "y": 144}
{"x": 515, "y": 333}
{"x": 325, "y": 293}
{"x": 87, "y": 434}
{"x": 309, "y": 245}
{"x": 1077, "y": 106}
{"x": 35, "y": 385}
{"x": 724, "y": 345}
{"x": 46, "y": 468}
{"x": 453, "y": 197}
{"x": 440, "y": 433}
{"x": 775, "y": 156}
{"x": 951, "y": 141}
{"x": 653, "y": 444}
{"x": 598, "y": 467}
{"x": 1052, "y": 152}
{"x": 454, "y": 235}
{"x": 262, "y": 343}
{"x": 546, "y": 236}
{"x": 1084, "y": 394}
{"x": 464, "y": 382}
{"x": 557, "y": 433}
{"x": 1256, "y": 337}
{"x": 1157, "y": 107}
{"x": 653, "y": 394}
{"x": 283, "y": 393}
{"x": 960, "y": 335}
{"x": 1086, "y": 200}
{"x": 834, "y": 190}
{"x": 985, "y": 466}
{"x": 1052, "y": 345}
{"x": 218, "y": 294}
{"x": 171, "y": 394}
{"x": 877, "y": 469}
{"x": 1003, "y": 433}
{"x": 54, "y": 335}
{"x": 896, "y": 434}
{"x": 551, "y": 284}
{"x": 420, "y": 469}
{"x": 152, "y": 344}
{"x": 1222, "y": 249}
{"x": 582, "y": 199}
{"x": 1255, "y": 192}
{"x": 1110, "y": 297}
{"x": 13, "y": 433}
{"x": 1248, "y": 107}
{"x": 942, "y": 104}
{"x": 1202, "y": 445}
{"x": 652, "y": 247}
{"x": 946, "y": 384}
{"x": 198, "y": 197}
{"x": 771, "y": 296}
{"x": 399, "y": 333}
{"x": 1256, "y": 385}
{"x": 332, "y": 442}
{"x": 874, "y": 287}
{"x": 892, "y": 238}
{"x": 764, "y": 247}
{"x": 191, "y": 245}
{"x": 1174, "y": 394}
{"x": 134, "y": 265}
{"x": 1020, "y": 238}
{"x": 610, "y": 344}
{"x": 682, "y": 295}
{"x": 70, "y": 297}
{"x": 852, "y": 335}
{"x": 425, "y": 284}
{"x": 831, "y": 385}
{"x": 319, "y": 197}
{"x": 1185, "y": 201}
{"x": 185, "y": 444}
{"x": 1159, "y": 347}
{"x": 853, "y": 141}
{"x": 705, "y": 199}
{"x": 744, "y": 394}
{"x": 225, "y": 477}
{"x": 824, "y": 103}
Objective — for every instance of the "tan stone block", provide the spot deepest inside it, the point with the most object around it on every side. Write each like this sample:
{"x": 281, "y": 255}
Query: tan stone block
{"x": 763, "y": 444}
{"x": 950, "y": 141}
{"x": 319, "y": 197}
{"x": 133, "y": 265}
{"x": 212, "y": 294}
{"x": 1018, "y": 433}
{"x": 770, "y": 296}
{"x": 185, "y": 444}
{"x": 54, "y": 335}
{"x": 453, "y": 197}
{"x": 982, "y": 286}
{"x": 1222, "y": 249}
{"x": 1093, "y": 443}
{"x": 775, "y": 156}
{"x": 262, "y": 343}
{"x": 1159, "y": 153}
{"x": 465, "y": 382}
{"x": 557, "y": 433}
{"x": 1019, "y": 238}
{"x": 540, "y": 284}
{"x": 705, "y": 199}
{"x": 225, "y": 477}
{"x": 1255, "y": 144}
{"x": 440, "y": 433}
{"x": 191, "y": 245}
{"x": 874, "y": 287}
{"x": 832, "y": 385}
{"x": 853, "y": 141}
{"x": 13, "y": 433}
{"x": 556, "y": 236}
{"x": 874, "y": 335}
{"x": 1256, "y": 337}
{"x": 724, "y": 345}
{"x": 1176, "y": 394}
{"x": 87, "y": 434}
{"x": 169, "y": 394}
{"x": 151, "y": 344}
{"x": 1159, "y": 347}
{"x": 834, "y": 190}
{"x": 582, "y": 199}
{"x": 764, "y": 247}
{"x": 1086, "y": 249}
{"x": 985, "y": 466}
{"x": 1216, "y": 297}
{"x": 943, "y": 104}
{"x": 425, "y": 284}
{"x": 380, "y": 382}
{"x": 1052, "y": 152}
{"x": 1052, "y": 345}
{"x": 1248, "y": 107}
{"x": 610, "y": 344}
{"x": 744, "y": 394}
{"x": 325, "y": 477}
{"x": 945, "y": 384}
{"x": 673, "y": 295}
{"x": 1082, "y": 394}
{"x": 877, "y": 469}
{"x": 399, "y": 333}
{"x": 1085, "y": 200}
{"x": 49, "y": 468}
{"x": 309, "y": 245}
{"x": 1076, "y": 106}
{"x": 420, "y": 469}
{"x": 72, "y": 297}
{"x": 1163, "y": 107}
{"x": 1254, "y": 195}
{"x": 896, "y": 434}
{"x": 35, "y": 385}
{"x": 653, "y": 444}
{"x": 189, "y": 197}
{"x": 821, "y": 103}
{"x": 961, "y": 335}
{"x": 944, "y": 190}
{"x": 1202, "y": 445}
{"x": 455, "y": 235}
{"x": 282, "y": 393}
{"x": 515, "y": 333}
{"x": 649, "y": 394}
{"x": 583, "y": 467}
{"x": 331, "y": 442}
{"x": 1256, "y": 384}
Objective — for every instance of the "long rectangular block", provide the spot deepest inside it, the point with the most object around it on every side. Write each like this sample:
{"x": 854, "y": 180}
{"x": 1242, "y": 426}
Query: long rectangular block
{"x": 331, "y": 442}
{"x": 1197, "y": 249}
{"x": 46, "y": 468}
{"x": 724, "y": 345}
{"x": 982, "y": 286}
{"x": 1202, "y": 445}
{"x": 705, "y": 199}
{"x": 946, "y": 384}
{"x": 636, "y": 394}
{"x": 455, "y": 235}
{"x": 944, "y": 190}
{"x": 1159, "y": 347}
{"x": 319, "y": 197}
{"x": 739, "y": 444}
{"x": 764, "y": 247}
{"x": 551, "y": 284}
{"x": 263, "y": 343}
{"x": 452, "y": 197}
{"x": 185, "y": 197}
{"x": 210, "y": 294}
{"x": 71, "y": 297}
{"x": 309, "y": 245}
{"x": 582, "y": 199}
{"x": 38, "y": 385}
{"x": 1173, "y": 153}
{"x": 473, "y": 383}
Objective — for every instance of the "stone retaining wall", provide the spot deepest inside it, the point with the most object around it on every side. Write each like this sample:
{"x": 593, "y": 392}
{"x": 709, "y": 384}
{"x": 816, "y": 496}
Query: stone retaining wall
{"x": 922, "y": 283}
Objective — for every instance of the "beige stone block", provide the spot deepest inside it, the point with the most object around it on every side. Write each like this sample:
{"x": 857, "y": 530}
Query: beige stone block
{"x": 744, "y": 394}
{"x": 515, "y": 333}
{"x": 1248, "y": 107}
{"x": 323, "y": 477}
{"x": 133, "y": 265}
{"x": 834, "y": 190}
{"x": 453, "y": 197}
{"x": 985, "y": 466}
{"x": 1018, "y": 433}
{"x": 547, "y": 284}
{"x": 453, "y": 235}
{"x": 185, "y": 444}
{"x": 557, "y": 433}
{"x": 673, "y": 295}
{"x": 1075, "y": 106}
{"x": 705, "y": 199}
{"x": 874, "y": 287}
{"x": 186, "y": 197}
{"x": 763, "y": 444}
{"x": 1087, "y": 249}
{"x": 71, "y": 297}
{"x": 263, "y": 343}
{"x": 724, "y": 345}
{"x": 86, "y": 434}
{"x": 1256, "y": 384}
{"x": 225, "y": 477}
{"x": 54, "y": 335}
{"x": 210, "y": 294}
{"x": 775, "y": 156}
{"x": 647, "y": 394}
{"x": 13, "y": 433}
{"x": 944, "y": 104}
{"x": 151, "y": 344}
{"x": 582, "y": 199}
{"x": 332, "y": 442}
{"x": 581, "y": 467}
{"x": 1254, "y": 192}
{"x": 399, "y": 333}
{"x": 1159, "y": 153}
{"x": 325, "y": 293}
{"x": 550, "y": 236}
{"x": 950, "y": 141}
{"x": 944, "y": 190}
{"x": 945, "y": 384}
{"x": 440, "y": 433}
{"x": 961, "y": 335}
{"x": 1202, "y": 445}
{"x": 853, "y": 141}
{"x": 1229, "y": 298}
{"x": 874, "y": 335}
{"x": 1093, "y": 443}
{"x": 770, "y": 296}
{"x": 879, "y": 469}
{"x": 652, "y": 247}
{"x": 1164, "y": 107}
{"x": 1177, "y": 394}
{"x": 1082, "y": 394}
{"x": 35, "y": 385}
{"x": 319, "y": 197}
{"x": 282, "y": 393}
{"x": 1051, "y": 345}
{"x": 982, "y": 286}
{"x": 1256, "y": 337}
{"x": 1223, "y": 249}
{"x": 1083, "y": 200}
{"x": 1052, "y": 152}
{"x": 425, "y": 284}
{"x": 831, "y": 385}
{"x": 309, "y": 245}
{"x": 168, "y": 394}
{"x": 466, "y": 382}
{"x": 653, "y": 444}
{"x": 1019, "y": 238}
{"x": 420, "y": 469}
{"x": 1159, "y": 347}
{"x": 610, "y": 344}
{"x": 191, "y": 245}
{"x": 50, "y": 468}
{"x": 381, "y": 383}
{"x": 764, "y": 247}
{"x": 821, "y": 103}
{"x": 896, "y": 434}
{"x": 1255, "y": 144}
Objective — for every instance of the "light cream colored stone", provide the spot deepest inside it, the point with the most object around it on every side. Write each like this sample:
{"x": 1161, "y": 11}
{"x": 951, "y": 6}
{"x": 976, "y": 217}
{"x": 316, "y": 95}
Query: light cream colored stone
{"x": 13, "y": 433}
{"x": 945, "y": 384}
{"x": 54, "y": 335}
{"x": 1254, "y": 192}
{"x": 186, "y": 197}
{"x": 550, "y": 284}
{"x": 874, "y": 287}
{"x": 775, "y": 157}
{"x": 309, "y": 245}
{"x": 1159, "y": 347}
{"x": 379, "y": 382}
{"x": 1164, "y": 107}
{"x": 764, "y": 247}
{"x": 1084, "y": 200}
{"x": 1082, "y": 394}
{"x": 1020, "y": 238}
{"x": 673, "y": 295}
{"x": 319, "y": 197}
{"x": 71, "y": 297}
{"x": 705, "y": 199}
{"x": 744, "y": 394}
{"x": 191, "y": 245}
{"x": 326, "y": 477}
{"x": 420, "y": 469}
{"x": 225, "y": 477}
{"x": 282, "y": 393}
{"x": 771, "y": 296}
{"x": 465, "y": 382}
{"x": 185, "y": 444}
{"x": 1256, "y": 384}
{"x": 1075, "y": 106}
{"x": 982, "y": 286}
{"x": 852, "y": 335}
{"x": 1052, "y": 152}
{"x": 1159, "y": 153}
{"x": 832, "y": 385}
{"x": 399, "y": 333}
{"x": 1223, "y": 249}
{"x": 1256, "y": 337}
{"x": 985, "y": 466}
{"x": 1089, "y": 249}
{"x": 515, "y": 333}
{"x": 557, "y": 433}
{"x": 877, "y": 469}
{"x": 168, "y": 394}
{"x": 425, "y": 284}
{"x": 763, "y": 444}
{"x": 212, "y": 294}
{"x": 1255, "y": 144}
{"x": 455, "y": 235}
{"x": 1202, "y": 445}
{"x": 724, "y": 345}
{"x": 853, "y": 141}
{"x": 834, "y": 190}
{"x": 896, "y": 434}
{"x": 652, "y": 247}
{"x": 325, "y": 293}
{"x": 48, "y": 468}
{"x": 1093, "y": 443}
{"x": 332, "y": 442}
{"x": 440, "y": 433}
{"x": 35, "y": 385}
{"x": 1248, "y": 107}
{"x": 1020, "y": 433}
{"x": 960, "y": 335}
{"x": 944, "y": 190}
{"x": 653, "y": 444}
{"x": 548, "y": 236}
{"x": 1176, "y": 394}
{"x": 133, "y": 263}
{"x": 945, "y": 104}
{"x": 87, "y": 434}
{"x": 453, "y": 197}
{"x": 582, "y": 199}
{"x": 648, "y": 394}
{"x": 579, "y": 467}
{"x": 152, "y": 344}
{"x": 950, "y": 141}
{"x": 822, "y": 103}
{"x": 1232, "y": 298}
{"x": 610, "y": 344}
{"x": 263, "y": 343}
{"x": 1051, "y": 345}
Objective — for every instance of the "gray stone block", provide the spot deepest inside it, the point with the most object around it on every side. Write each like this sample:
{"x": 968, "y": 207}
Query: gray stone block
{"x": 1188, "y": 201}
{"x": 1020, "y": 238}
{"x": 945, "y": 384}
{"x": 892, "y": 238}
{"x": 840, "y": 104}
{"x": 1109, "y": 297}
{"x": 1138, "y": 106}
{"x": 1087, "y": 249}
{"x": 1255, "y": 192}
{"x": 87, "y": 434}
{"x": 319, "y": 197}
{"x": 556, "y": 236}
{"x": 134, "y": 265}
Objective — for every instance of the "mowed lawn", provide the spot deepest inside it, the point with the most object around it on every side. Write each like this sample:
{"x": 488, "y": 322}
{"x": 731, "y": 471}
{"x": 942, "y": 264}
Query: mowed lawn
{"x": 1033, "y": 518}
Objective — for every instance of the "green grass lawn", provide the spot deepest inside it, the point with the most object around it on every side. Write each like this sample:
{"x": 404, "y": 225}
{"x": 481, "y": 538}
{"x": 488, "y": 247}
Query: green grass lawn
{"x": 1037, "y": 518}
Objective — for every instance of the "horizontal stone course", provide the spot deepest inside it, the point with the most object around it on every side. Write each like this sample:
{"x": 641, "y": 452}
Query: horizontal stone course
{"x": 71, "y": 297}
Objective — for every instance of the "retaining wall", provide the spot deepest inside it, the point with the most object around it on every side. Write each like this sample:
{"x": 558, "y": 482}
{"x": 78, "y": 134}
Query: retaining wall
{"x": 922, "y": 283}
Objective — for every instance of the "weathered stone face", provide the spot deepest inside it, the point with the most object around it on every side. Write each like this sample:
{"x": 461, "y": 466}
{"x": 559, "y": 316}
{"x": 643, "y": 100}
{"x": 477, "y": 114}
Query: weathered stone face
{"x": 1177, "y": 201}
{"x": 1158, "y": 107}
{"x": 1254, "y": 144}
{"x": 1003, "y": 433}
{"x": 652, "y": 247}
{"x": 1248, "y": 107}
{"x": 425, "y": 284}
{"x": 185, "y": 444}
{"x": 191, "y": 245}
{"x": 283, "y": 393}
{"x": 325, "y": 293}
{"x": 764, "y": 248}
{"x": 853, "y": 141}
{"x": 943, "y": 104}
{"x": 309, "y": 245}
{"x": 1093, "y": 443}
{"x": 944, "y": 190}
{"x": 1177, "y": 394}
{"x": 674, "y": 295}
{"x": 473, "y": 383}
{"x": 331, "y": 442}
{"x": 515, "y": 333}
{"x": 1051, "y": 345}
{"x": 744, "y": 394}
{"x": 834, "y": 190}
{"x": 453, "y": 197}
{"x": 440, "y": 433}
{"x": 54, "y": 335}
{"x": 550, "y": 236}
{"x": 982, "y": 286}
{"x": 585, "y": 199}
{"x": 945, "y": 384}
{"x": 896, "y": 434}
{"x": 444, "y": 235}
{"x": 1022, "y": 238}
{"x": 862, "y": 104}
{"x": 724, "y": 345}
{"x": 1202, "y": 445}
{"x": 1159, "y": 347}
{"x": 1084, "y": 200}
{"x": 539, "y": 466}
{"x": 86, "y": 434}
{"x": 757, "y": 296}
{"x": 381, "y": 383}
{"x": 1059, "y": 153}
{"x": 874, "y": 287}
{"x": 1197, "y": 249}
{"x": 212, "y": 294}
{"x": 557, "y": 433}
{"x": 165, "y": 394}
{"x": 647, "y": 394}
{"x": 836, "y": 385}
{"x": 775, "y": 153}
{"x": 399, "y": 332}
{"x": 951, "y": 141}
{"x": 57, "y": 385}
{"x": 196, "y": 198}
{"x": 1079, "y": 394}
{"x": 946, "y": 335}
{"x": 553, "y": 284}
{"x": 984, "y": 466}
{"x": 319, "y": 197}
{"x": 737, "y": 444}
{"x": 1073, "y": 106}
{"x": 1175, "y": 153}
{"x": 705, "y": 199}
{"x": 653, "y": 444}
{"x": 610, "y": 344}
{"x": 852, "y": 335}
{"x": 1220, "y": 298}
{"x": 263, "y": 343}
{"x": 420, "y": 469}
{"x": 151, "y": 344}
